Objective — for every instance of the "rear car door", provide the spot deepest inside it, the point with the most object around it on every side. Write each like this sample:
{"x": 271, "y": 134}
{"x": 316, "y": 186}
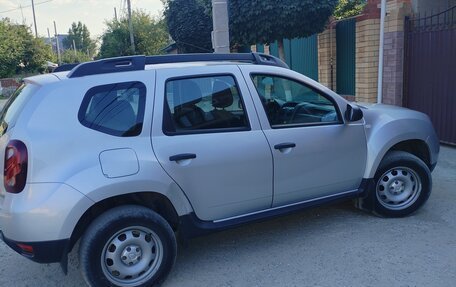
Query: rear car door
{"x": 316, "y": 154}
{"x": 207, "y": 137}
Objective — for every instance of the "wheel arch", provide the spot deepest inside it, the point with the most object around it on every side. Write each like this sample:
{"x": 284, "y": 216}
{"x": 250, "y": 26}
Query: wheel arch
{"x": 417, "y": 147}
{"x": 153, "y": 200}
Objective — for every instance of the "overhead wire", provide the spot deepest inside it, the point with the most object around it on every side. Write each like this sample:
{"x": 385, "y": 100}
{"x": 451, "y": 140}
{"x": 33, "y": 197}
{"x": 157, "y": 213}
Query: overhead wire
{"x": 25, "y": 6}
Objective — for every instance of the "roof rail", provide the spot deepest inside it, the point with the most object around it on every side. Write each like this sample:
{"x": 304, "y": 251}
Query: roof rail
{"x": 138, "y": 63}
{"x": 65, "y": 67}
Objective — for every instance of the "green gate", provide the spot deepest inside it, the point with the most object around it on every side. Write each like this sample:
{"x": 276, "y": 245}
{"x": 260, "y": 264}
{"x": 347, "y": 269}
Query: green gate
{"x": 345, "y": 57}
{"x": 300, "y": 54}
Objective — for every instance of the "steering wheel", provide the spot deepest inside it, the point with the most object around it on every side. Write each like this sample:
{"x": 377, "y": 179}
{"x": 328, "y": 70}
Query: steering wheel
{"x": 299, "y": 109}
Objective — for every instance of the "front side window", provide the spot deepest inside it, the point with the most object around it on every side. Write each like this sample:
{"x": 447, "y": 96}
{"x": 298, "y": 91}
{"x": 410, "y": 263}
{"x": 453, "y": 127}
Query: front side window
{"x": 115, "y": 109}
{"x": 203, "y": 104}
{"x": 290, "y": 103}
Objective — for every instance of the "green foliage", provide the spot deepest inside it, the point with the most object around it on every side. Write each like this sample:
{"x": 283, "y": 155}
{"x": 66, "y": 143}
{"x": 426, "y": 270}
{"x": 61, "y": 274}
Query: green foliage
{"x": 265, "y": 21}
{"x": 11, "y": 47}
{"x": 20, "y": 52}
{"x": 251, "y": 21}
{"x": 349, "y": 8}
{"x": 150, "y": 36}
{"x": 81, "y": 36}
{"x": 190, "y": 24}
{"x": 70, "y": 57}
{"x": 35, "y": 55}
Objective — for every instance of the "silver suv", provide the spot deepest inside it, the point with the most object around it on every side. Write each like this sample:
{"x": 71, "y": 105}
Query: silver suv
{"x": 125, "y": 153}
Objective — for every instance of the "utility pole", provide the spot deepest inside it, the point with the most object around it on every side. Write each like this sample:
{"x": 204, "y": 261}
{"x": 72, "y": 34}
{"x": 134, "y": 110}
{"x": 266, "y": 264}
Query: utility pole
{"x": 34, "y": 19}
{"x": 49, "y": 38}
{"x": 74, "y": 47}
{"x": 221, "y": 33}
{"x": 22, "y": 13}
{"x": 115, "y": 14}
{"x": 130, "y": 26}
{"x": 57, "y": 44}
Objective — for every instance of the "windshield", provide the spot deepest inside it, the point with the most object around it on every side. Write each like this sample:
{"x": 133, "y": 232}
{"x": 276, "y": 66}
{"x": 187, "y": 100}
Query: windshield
{"x": 14, "y": 106}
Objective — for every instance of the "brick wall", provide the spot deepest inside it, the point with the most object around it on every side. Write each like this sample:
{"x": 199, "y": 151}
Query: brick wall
{"x": 327, "y": 57}
{"x": 8, "y": 86}
{"x": 367, "y": 46}
{"x": 393, "y": 61}
{"x": 9, "y": 82}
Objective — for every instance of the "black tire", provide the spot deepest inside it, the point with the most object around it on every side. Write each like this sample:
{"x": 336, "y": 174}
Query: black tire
{"x": 404, "y": 162}
{"x": 120, "y": 219}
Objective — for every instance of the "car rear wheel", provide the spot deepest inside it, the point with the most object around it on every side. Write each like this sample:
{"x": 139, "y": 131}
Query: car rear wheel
{"x": 403, "y": 184}
{"x": 127, "y": 246}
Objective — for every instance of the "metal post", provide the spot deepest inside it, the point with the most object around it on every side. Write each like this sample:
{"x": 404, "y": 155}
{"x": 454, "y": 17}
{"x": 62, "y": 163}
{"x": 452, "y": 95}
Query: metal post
{"x": 57, "y": 44}
{"x": 221, "y": 33}
{"x": 130, "y": 26}
{"x": 49, "y": 38}
{"x": 34, "y": 19}
{"x": 74, "y": 47}
{"x": 115, "y": 14}
{"x": 380, "y": 53}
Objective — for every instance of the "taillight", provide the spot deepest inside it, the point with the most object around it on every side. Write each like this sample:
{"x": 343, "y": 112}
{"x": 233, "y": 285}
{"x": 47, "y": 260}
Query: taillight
{"x": 15, "y": 170}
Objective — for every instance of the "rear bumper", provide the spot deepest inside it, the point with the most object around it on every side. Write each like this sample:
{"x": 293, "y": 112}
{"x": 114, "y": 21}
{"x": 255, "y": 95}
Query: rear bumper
{"x": 43, "y": 252}
{"x": 42, "y": 212}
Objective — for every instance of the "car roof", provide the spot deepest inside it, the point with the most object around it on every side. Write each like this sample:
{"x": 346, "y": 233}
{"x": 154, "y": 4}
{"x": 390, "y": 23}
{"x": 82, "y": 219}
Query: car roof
{"x": 138, "y": 63}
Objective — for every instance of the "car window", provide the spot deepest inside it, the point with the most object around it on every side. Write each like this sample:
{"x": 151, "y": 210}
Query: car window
{"x": 203, "y": 104}
{"x": 288, "y": 102}
{"x": 14, "y": 106}
{"x": 115, "y": 109}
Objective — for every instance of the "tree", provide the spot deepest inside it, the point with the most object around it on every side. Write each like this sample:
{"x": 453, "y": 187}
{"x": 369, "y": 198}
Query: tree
{"x": 251, "y": 21}
{"x": 11, "y": 47}
{"x": 349, "y": 8}
{"x": 35, "y": 55}
{"x": 189, "y": 24}
{"x": 266, "y": 21}
{"x": 81, "y": 37}
{"x": 150, "y": 36}
{"x": 20, "y": 51}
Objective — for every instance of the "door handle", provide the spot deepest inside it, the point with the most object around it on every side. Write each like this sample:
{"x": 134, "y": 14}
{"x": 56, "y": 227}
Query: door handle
{"x": 284, "y": 145}
{"x": 182, "y": 156}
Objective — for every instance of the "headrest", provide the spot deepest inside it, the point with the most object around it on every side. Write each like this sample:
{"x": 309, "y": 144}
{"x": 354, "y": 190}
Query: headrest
{"x": 189, "y": 94}
{"x": 221, "y": 95}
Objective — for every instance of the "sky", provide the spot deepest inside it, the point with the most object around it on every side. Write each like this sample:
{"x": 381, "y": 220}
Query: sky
{"x": 93, "y": 13}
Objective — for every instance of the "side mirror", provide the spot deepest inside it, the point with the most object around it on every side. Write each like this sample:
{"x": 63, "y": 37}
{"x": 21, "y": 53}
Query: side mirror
{"x": 353, "y": 113}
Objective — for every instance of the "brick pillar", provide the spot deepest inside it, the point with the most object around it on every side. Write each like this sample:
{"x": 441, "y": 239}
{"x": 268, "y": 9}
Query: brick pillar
{"x": 327, "y": 57}
{"x": 367, "y": 47}
{"x": 393, "y": 61}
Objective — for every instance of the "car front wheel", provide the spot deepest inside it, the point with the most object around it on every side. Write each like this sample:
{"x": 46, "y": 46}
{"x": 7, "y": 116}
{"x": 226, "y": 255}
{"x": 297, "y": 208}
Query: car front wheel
{"x": 403, "y": 184}
{"x": 127, "y": 246}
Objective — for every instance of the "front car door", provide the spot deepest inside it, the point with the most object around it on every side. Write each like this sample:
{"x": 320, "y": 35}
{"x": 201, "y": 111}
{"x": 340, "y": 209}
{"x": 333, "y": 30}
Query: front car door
{"x": 316, "y": 154}
{"x": 207, "y": 137}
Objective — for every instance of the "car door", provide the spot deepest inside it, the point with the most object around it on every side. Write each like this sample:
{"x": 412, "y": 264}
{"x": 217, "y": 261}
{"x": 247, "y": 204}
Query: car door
{"x": 316, "y": 154}
{"x": 207, "y": 137}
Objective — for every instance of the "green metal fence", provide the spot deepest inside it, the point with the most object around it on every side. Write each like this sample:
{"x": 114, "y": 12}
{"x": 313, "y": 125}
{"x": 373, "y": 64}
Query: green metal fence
{"x": 300, "y": 54}
{"x": 346, "y": 48}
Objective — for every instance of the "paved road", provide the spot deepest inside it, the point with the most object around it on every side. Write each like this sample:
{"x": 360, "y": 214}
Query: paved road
{"x": 331, "y": 246}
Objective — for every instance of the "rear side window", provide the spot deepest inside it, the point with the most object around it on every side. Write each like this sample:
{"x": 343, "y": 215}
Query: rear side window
{"x": 14, "y": 106}
{"x": 115, "y": 109}
{"x": 202, "y": 105}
